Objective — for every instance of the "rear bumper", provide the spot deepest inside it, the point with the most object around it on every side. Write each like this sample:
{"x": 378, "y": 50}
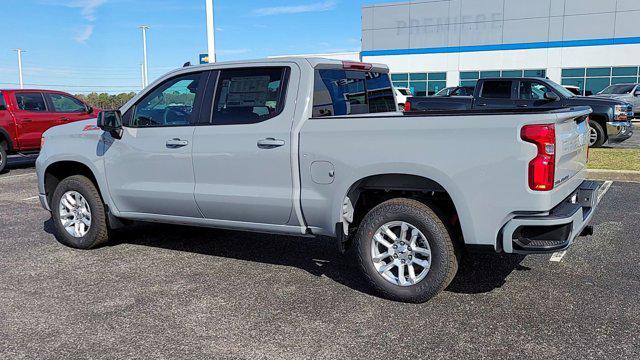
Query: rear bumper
{"x": 555, "y": 231}
{"x": 619, "y": 130}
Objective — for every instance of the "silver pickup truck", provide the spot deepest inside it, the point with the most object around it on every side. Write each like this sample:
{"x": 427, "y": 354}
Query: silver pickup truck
{"x": 316, "y": 147}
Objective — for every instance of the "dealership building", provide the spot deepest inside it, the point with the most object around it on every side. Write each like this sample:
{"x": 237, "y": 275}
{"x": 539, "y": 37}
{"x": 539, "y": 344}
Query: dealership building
{"x": 431, "y": 44}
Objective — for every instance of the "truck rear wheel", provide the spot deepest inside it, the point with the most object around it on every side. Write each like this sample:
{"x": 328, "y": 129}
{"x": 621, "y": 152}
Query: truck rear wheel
{"x": 405, "y": 251}
{"x": 596, "y": 135}
{"x": 79, "y": 214}
{"x": 3, "y": 158}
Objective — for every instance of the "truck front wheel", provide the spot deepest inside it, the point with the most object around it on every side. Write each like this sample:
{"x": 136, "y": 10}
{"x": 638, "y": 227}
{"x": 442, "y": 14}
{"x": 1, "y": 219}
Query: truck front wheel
{"x": 79, "y": 214}
{"x": 405, "y": 251}
{"x": 596, "y": 135}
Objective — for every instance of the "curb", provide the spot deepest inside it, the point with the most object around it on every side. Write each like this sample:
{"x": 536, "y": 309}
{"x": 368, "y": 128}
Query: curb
{"x": 614, "y": 175}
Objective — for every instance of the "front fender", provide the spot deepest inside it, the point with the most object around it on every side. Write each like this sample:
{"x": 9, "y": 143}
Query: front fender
{"x": 86, "y": 150}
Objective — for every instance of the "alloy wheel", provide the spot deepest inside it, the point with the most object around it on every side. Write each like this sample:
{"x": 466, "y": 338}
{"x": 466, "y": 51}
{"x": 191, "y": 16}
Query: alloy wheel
{"x": 75, "y": 214}
{"x": 401, "y": 253}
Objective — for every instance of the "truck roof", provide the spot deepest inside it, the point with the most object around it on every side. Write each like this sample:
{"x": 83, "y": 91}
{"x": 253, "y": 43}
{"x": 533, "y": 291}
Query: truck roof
{"x": 32, "y": 90}
{"x": 313, "y": 61}
{"x": 520, "y": 78}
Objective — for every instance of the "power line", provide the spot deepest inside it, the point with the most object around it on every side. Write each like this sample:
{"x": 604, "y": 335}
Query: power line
{"x": 78, "y": 86}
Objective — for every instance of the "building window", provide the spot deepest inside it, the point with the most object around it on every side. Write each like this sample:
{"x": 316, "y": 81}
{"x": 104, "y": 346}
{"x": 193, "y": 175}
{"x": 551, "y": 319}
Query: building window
{"x": 593, "y": 80}
{"x": 421, "y": 84}
{"x": 470, "y": 78}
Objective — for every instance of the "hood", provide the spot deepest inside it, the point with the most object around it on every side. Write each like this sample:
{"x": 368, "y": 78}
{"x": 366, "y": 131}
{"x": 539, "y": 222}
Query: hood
{"x": 611, "y": 96}
{"x": 84, "y": 127}
{"x": 595, "y": 100}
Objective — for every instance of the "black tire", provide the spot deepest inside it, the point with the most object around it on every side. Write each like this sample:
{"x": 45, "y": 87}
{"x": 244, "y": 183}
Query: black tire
{"x": 444, "y": 261}
{"x": 601, "y": 135}
{"x": 98, "y": 233}
{"x": 3, "y": 158}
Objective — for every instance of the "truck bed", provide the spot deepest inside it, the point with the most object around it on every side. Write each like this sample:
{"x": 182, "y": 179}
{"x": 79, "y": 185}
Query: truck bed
{"x": 477, "y": 156}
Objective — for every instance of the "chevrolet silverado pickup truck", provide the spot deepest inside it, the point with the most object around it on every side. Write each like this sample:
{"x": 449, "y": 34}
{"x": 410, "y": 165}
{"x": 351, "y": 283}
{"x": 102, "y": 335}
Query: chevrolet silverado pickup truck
{"x": 624, "y": 92}
{"x": 26, "y": 114}
{"x": 610, "y": 120}
{"x": 317, "y": 147}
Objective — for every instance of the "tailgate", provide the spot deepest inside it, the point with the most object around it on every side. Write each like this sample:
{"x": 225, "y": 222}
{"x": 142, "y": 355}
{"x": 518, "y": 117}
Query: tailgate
{"x": 572, "y": 142}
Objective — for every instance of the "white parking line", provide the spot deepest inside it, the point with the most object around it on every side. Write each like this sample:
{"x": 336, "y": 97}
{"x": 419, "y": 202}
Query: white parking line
{"x": 558, "y": 256}
{"x": 30, "y": 198}
{"x": 603, "y": 190}
{"x": 16, "y": 176}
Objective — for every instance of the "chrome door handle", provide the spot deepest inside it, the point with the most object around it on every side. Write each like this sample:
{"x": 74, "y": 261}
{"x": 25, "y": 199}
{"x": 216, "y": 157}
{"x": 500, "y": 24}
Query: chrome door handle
{"x": 176, "y": 143}
{"x": 270, "y": 143}
{"x": 523, "y": 105}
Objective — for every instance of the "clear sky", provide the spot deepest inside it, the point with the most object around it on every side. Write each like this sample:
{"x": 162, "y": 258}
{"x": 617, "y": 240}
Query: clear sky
{"x": 84, "y": 45}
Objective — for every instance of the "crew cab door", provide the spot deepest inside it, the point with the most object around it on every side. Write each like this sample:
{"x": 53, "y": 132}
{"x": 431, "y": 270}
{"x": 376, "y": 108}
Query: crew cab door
{"x": 635, "y": 99}
{"x": 67, "y": 108}
{"x": 242, "y": 152}
{"x": 150, "y": 169}
{"x": 32, "y": 119}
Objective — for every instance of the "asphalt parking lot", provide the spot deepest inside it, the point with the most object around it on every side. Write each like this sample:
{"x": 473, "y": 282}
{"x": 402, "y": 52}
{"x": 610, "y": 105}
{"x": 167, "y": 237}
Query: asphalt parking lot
{"x": 177, "y": 292}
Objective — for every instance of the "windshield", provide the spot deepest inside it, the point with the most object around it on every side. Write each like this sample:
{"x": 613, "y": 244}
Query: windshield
{"x": 445, "y": 92}
{"x": 617, "y": 89}
{"x": 561, "y": 89}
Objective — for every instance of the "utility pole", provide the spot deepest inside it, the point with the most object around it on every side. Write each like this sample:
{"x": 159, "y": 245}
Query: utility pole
{"x": 211, "y": 32}
{"x": 145, "y": 63}
{"x": 20, "y": 51}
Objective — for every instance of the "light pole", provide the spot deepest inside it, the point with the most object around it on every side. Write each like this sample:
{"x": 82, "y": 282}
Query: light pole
{"x": 211, "y": 32}
{"x": 145, "y": 63}
{"x": 142, "y": 73}
{"x": 20, "y": 51}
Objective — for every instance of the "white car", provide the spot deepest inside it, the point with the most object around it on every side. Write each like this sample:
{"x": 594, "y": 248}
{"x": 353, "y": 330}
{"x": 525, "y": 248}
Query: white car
{"x": 402, "y": 94}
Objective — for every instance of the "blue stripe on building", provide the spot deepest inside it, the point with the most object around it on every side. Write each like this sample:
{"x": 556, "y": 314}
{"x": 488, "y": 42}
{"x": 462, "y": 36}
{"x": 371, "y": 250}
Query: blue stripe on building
{"x": 497, "y": 47}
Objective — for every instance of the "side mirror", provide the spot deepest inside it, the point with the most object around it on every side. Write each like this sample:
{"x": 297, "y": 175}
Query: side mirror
{"x": 551, "y": 96}
{"x": 89, "y": 109}
{"x": 111, "y": 121}
{"x": 637, "y": 93}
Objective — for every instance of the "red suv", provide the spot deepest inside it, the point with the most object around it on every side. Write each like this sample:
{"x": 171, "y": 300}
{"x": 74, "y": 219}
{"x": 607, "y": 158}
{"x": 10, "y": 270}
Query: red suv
{"x": 26, "y": 114}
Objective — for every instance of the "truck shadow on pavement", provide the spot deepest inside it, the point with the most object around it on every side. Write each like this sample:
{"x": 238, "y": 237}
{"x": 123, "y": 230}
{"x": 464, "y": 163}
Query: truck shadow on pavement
{"x": 478, "y": 273}
{"x": 20, "y": 162}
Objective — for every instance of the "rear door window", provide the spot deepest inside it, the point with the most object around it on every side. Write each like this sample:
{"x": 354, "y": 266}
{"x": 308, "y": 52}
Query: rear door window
{"x": 250, "y": 95}
{"x": 2, "y": 103}
{"x": 496, "y": 90}
{"x": 346, "y": 92}
{"x": 31, "y": 101}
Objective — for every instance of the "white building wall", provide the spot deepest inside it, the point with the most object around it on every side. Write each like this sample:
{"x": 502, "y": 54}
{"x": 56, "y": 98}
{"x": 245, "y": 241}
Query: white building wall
{"x": 553, "y": 60}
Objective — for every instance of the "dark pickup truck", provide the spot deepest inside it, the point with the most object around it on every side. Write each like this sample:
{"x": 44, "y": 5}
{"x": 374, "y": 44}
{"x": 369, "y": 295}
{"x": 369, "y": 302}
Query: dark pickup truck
{"x": 610, "y": 120}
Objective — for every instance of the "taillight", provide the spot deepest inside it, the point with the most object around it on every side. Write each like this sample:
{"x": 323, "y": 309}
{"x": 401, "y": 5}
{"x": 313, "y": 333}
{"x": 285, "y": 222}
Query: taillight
{"x": 407, "y": 106}
{"x": 543, "y": 167}
{"x": 588, "y": 143}
{"x": 354, "y": 65}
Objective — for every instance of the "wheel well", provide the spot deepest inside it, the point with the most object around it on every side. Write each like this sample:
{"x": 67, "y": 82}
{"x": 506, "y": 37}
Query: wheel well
{"x": 602, "y": 121}
{"x": 4, "y": 141}
{"x": 374, "y": 190}
{"x": 59, "y": 171}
